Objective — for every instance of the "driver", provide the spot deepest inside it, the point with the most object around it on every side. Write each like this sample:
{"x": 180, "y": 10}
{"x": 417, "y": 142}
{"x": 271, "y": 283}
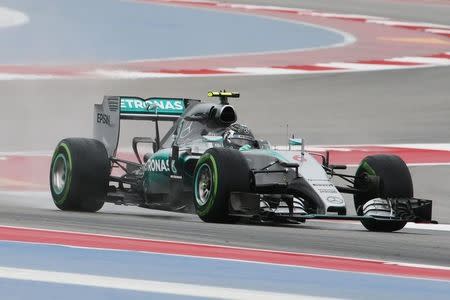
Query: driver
{"x": 239, "y": 136}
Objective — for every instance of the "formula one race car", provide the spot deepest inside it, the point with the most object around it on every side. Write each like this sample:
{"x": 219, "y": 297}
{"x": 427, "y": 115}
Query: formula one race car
{"x": 209, "y": 163}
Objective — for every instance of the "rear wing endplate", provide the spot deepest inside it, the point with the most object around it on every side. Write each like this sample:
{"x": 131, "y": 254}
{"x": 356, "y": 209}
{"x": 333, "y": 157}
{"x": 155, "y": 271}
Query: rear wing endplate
{"x": 107, "y": 115}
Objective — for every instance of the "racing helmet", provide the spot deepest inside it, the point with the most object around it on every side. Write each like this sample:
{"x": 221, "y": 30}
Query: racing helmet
{"x": 238, "y": 135}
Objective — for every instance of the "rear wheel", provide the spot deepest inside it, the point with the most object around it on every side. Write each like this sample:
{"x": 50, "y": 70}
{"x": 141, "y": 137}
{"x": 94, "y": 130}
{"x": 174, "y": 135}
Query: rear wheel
{"x": 395, "y": 181}
{"x": 79, "y": 174}
{"x": 219, "y": 172}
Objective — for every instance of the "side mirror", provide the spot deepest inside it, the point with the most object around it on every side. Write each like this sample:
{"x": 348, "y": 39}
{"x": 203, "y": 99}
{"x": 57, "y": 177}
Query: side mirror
{"x": 141, "y": 140}
{"x": 295, "y": 142}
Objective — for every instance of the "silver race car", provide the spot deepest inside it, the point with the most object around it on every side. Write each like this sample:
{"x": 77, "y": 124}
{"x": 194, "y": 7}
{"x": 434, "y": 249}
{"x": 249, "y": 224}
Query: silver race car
{"x": 208, "y": 163}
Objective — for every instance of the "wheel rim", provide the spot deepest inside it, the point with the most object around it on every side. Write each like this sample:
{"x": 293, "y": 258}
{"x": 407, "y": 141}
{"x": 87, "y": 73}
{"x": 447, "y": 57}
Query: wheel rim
{"x": 59, "y": 174}
{"x": 204, "y": 185}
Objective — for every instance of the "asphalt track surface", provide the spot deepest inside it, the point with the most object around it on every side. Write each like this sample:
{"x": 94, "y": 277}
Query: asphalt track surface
{"x": 410, "y": 106}
{"x": 436, "y": 11}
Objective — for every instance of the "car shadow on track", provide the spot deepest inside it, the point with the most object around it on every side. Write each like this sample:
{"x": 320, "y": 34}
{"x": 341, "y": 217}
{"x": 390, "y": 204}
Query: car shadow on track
{"x": 149, "y": 215}
{"x": 106, "y": 214}
{"x": 328, "y": 226}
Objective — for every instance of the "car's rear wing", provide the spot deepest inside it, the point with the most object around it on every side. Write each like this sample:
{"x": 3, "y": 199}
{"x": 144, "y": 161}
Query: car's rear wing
{"x": 107, "y": 115}
{"x": 152, "y": 108}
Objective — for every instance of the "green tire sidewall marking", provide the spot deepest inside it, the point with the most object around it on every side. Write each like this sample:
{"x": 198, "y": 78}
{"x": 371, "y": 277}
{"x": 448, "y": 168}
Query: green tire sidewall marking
{"x": 207, "y": 159}
{"x": 60, "y": 199}
{"x": 365, "y": 167}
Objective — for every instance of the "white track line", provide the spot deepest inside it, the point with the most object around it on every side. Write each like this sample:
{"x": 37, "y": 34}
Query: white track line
{"x": 359, "y": 66}
{"x": 11, "y": 76}
{"x": 437, "y": 227}
{"x": 412, "y": 24}
{"x": 38, "y": 194}
{"x": 437, "y": 146}
{"x": 261, "y": 71}
{"x": 417, "y": 265}
{"x": 151, "y": 286}
{"x": 438, "y": 31}
{"x": 125, "y": 74}
{"x": 346, "y": 16}
{"x": 422, "y": 60}
{"x": 31, "y": 153}
{"x": 259, "y": 7}
{"x": 418, "y": 226}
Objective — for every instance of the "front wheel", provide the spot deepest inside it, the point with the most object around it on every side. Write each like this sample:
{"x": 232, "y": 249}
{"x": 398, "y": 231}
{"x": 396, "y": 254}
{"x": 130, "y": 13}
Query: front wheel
{"x": 395, "y": 182}
{"x": 219, "y": 172}
{"x": 79, "y": 174}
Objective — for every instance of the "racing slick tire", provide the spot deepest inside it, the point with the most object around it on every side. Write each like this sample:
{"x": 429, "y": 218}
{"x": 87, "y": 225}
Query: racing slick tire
{"x": 219, "y": 172}
{"x": 79, "y": 175}
{"x": 395, "y": 181}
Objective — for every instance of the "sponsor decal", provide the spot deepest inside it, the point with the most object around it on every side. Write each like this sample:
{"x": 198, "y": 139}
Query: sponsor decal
{"x": 103, "y": 119}
{"x": 158, "y": 165}
{"x": 153, "y": 106}
{"x": 245, "y": 148}
{"x": 323, "y": 184}
{"x": 325, "y": 188}
{"x": 335, "y": 200}
{"x": 173, "y": 168}
{"x": 328, "y": 191}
